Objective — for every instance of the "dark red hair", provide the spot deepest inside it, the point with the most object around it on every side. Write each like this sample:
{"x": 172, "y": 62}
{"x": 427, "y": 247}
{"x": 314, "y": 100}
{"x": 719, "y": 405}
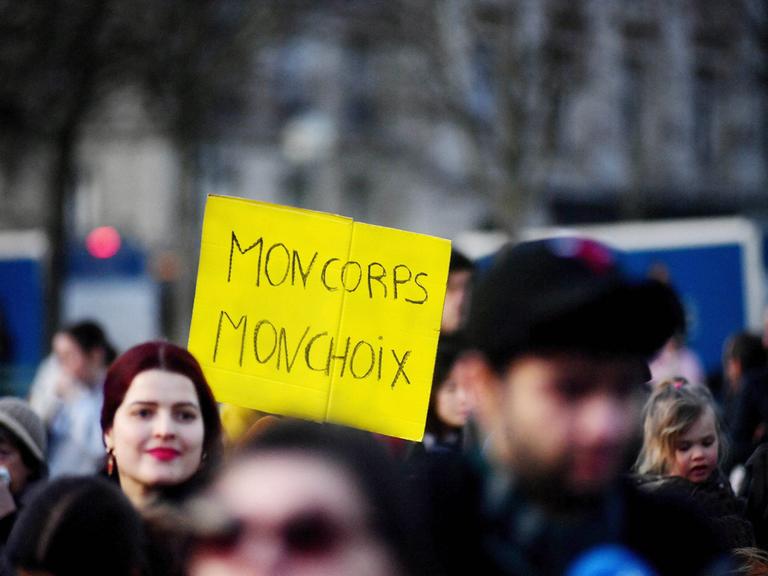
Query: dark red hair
{"x": 161, "y": 355}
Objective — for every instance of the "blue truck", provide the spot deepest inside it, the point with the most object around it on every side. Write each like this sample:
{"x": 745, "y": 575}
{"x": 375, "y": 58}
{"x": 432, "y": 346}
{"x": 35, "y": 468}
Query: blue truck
{"x": 22, "y": 309}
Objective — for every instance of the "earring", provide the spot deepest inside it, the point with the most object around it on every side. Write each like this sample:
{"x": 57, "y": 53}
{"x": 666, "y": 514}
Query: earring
{"x": 110, "y": 461}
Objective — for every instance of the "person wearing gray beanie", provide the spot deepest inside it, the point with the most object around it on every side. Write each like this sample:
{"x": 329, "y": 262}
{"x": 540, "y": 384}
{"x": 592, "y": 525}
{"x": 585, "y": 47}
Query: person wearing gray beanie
{"x": 23, "y": 450}
{"x": 25, "y": 428}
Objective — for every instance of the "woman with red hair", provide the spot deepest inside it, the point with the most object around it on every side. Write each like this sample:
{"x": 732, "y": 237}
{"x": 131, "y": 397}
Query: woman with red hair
{"x": 160, "y": 422}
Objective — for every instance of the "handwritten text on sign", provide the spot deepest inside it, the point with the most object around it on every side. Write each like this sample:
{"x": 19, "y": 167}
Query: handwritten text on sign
{"x": 315, "y": 315}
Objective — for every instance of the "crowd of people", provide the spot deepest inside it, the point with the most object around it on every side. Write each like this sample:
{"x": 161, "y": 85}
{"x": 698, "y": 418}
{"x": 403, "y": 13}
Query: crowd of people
{"x": 550, "y": 448}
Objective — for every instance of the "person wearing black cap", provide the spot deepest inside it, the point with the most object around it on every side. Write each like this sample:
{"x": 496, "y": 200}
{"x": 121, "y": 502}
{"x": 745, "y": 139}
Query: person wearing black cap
{"x": 562, "y": 340}
{"x": 79, "y": 525}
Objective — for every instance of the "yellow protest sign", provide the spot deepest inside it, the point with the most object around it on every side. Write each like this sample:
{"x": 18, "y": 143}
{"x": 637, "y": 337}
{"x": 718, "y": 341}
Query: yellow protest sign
{"x": 317, "y": 316}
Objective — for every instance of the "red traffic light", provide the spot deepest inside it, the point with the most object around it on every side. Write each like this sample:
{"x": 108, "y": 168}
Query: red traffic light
{"x": 103, "y": 242}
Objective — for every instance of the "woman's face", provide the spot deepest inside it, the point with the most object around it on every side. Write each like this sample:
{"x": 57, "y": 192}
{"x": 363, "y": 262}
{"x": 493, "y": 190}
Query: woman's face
{"x": 300, "y": 516}
{"x": 157, "y": 433}
{"x": 453, "y": 403}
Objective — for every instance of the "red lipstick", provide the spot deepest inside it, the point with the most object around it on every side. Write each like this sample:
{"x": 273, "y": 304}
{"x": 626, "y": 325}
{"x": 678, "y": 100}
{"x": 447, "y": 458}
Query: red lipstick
{"x": 164, "y": 454}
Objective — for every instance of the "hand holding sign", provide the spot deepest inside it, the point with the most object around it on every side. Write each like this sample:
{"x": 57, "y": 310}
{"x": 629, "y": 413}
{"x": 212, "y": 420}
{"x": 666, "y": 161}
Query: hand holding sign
{"x": 317, "y": 316}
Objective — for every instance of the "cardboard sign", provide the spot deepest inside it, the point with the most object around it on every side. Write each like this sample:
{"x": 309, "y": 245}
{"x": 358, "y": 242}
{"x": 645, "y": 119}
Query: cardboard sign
{"x": 316, "y": 316}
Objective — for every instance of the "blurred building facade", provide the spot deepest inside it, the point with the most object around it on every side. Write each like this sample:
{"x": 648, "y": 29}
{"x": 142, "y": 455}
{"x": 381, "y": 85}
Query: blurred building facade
{"x": 439, "y": 118}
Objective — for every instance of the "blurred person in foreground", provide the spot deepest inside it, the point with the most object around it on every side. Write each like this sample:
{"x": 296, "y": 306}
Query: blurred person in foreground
{"x": 304, "y": 499}
{"x": 564, "y": 338}
{"x": 68, "y": 397}
{"x": 78, "y": 526}
{"x": 160, "y": 422}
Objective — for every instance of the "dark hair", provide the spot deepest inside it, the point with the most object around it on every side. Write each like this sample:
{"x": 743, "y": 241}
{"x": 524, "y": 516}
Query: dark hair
{"x": 171, "y": 358}
{"x": 78, "y": 526}
{"x": 459, "y": 262}
{"x": 369, "y": 465}
{"x": 748, "y": 349}
{"x": 90, "y": 336}
{"x": 449, "y": 348}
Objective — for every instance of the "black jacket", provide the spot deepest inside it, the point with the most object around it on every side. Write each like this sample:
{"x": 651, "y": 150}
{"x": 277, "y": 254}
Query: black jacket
{"x": 513, "y": 537}
{"x": 714, "y": 498}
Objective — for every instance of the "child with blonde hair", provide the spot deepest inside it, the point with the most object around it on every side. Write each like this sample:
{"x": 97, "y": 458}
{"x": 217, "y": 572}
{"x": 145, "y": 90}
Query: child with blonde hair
{"x": 683, "y": 447}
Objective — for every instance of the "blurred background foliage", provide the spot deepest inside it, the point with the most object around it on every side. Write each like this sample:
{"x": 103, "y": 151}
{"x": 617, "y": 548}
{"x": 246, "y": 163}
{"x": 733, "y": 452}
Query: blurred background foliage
{"x": 438, "y": 116}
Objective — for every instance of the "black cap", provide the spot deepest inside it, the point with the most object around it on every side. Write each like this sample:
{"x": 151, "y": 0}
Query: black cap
{"x": 567, "y": 294}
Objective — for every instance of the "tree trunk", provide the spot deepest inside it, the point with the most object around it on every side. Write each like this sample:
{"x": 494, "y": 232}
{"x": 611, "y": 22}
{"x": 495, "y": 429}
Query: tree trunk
{"x": 62, "y": 181}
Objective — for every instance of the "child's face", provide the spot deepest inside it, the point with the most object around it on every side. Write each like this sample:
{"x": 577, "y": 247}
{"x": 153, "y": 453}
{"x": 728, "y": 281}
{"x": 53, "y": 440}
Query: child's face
{"x": 696, "y": 449}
